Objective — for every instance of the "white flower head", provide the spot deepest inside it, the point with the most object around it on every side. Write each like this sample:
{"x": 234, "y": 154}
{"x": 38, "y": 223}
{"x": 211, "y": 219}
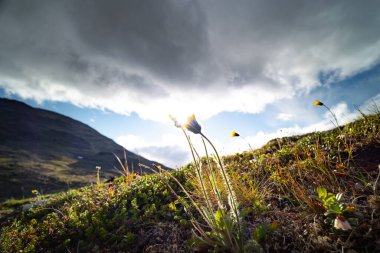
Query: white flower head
{"x": 341, "y": 223}
{"x": 192, "y": 125}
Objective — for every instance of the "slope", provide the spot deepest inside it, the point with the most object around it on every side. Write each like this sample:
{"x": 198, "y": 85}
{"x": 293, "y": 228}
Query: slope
{"x": 44, "y": 150}
{"x": 294, "y": 192}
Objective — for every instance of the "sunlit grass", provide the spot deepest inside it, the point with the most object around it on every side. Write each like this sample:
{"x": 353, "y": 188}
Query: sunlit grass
{"x": 219, "y": 208}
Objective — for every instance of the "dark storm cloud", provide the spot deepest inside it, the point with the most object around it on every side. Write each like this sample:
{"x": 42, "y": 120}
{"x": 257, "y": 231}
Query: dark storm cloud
{"x": 291, "y": 34}
{"x": 182, "y": 53}
{"x": 95, "y": 43}
{"x": 164, "y": 37}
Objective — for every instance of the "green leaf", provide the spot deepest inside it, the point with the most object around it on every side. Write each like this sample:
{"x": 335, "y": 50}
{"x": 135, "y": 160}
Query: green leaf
{"x": 335, "y": 209}
{"x": 257, "y": 203}
{"x": 330, "y": 199}
{"x": 261, "y": 231}
{"x": 172, "y": 207}
{"x": 322, "y": 192}
{"x": 219, "y": 216}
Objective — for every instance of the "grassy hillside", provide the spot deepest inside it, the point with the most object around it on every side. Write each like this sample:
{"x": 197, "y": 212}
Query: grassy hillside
{"x": 51, "y": 152}
{"x": 312, "y": 193}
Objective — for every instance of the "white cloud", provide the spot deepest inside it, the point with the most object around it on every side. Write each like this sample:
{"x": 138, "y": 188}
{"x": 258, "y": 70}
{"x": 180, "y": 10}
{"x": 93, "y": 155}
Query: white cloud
{"x": 372, "y": 105}
{"x": 341, "y": 111}
{"x": 285, "y": 116}
{"x": 169, "y": 150}
{"x": 173, "y": 150}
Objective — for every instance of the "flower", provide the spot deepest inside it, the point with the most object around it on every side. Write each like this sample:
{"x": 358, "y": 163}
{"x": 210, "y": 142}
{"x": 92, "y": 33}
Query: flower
{"x": 341, "y": 223}
{"x": 192, "y": 125}
{"x": 317, "y": 103}
{"x": 234, "y": 134}
{"x": 34, "y": 191}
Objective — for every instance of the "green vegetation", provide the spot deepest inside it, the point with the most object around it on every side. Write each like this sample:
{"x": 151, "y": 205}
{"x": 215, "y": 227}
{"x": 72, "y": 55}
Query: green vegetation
{"x": 317, "y": 192}
{"x": 111, "y": 216}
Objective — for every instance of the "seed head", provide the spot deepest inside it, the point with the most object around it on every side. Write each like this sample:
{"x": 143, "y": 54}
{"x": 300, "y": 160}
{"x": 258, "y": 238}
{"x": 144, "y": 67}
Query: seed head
{"x": 234, "y": 134}
{"x": 192, "y": 125}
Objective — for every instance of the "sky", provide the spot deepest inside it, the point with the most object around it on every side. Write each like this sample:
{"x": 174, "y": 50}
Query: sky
{"x": 251, "y": 66}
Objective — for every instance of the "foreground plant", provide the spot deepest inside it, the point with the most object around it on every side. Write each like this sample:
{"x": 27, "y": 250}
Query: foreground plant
{"x": 126, "y": 172}
{"x": 223, "y": 220}
{"x": 337, "y": 212}
{"x": 235, "y": 134}
{"x": 319, "y": 103}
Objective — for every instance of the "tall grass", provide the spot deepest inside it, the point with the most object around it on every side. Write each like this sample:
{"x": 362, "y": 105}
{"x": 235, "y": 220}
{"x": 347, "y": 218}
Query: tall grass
{"x": 220, "y": 225}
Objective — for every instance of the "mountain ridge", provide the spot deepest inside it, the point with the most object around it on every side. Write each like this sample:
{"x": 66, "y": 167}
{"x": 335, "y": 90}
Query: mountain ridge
{"x": 53, "y": 151}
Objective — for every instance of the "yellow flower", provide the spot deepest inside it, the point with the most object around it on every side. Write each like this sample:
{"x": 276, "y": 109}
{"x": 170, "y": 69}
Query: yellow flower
{"x": 234, "y": 134}
{"x": 317, "y": 103}
{"x": 34, "y": 191}
{"x": 192, "y": 125}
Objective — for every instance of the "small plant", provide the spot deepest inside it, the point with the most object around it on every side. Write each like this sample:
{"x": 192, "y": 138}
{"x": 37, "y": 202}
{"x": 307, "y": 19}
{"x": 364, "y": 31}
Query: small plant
{"x": 235, "y": 134}
{"x": 98, "y": 168}
{"x": 263, "y": 231}
{"x": 126, "y": 173}
{"x": 223, "y": 230}
{"x": 319, "y": 103}
{"x": 37, "y": 194}
{"x": 336, "y": 209}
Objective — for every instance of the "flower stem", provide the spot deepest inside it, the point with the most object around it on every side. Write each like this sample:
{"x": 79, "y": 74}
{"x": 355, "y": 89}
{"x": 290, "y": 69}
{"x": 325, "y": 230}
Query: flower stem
{"x": 197, "y": 168}
{"x": 228, "y": 185}
{"x": 333, "y": 114}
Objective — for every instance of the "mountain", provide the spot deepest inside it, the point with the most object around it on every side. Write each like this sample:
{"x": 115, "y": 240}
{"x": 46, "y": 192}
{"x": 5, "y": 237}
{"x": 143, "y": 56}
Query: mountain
{"x": 47, "y": 151}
